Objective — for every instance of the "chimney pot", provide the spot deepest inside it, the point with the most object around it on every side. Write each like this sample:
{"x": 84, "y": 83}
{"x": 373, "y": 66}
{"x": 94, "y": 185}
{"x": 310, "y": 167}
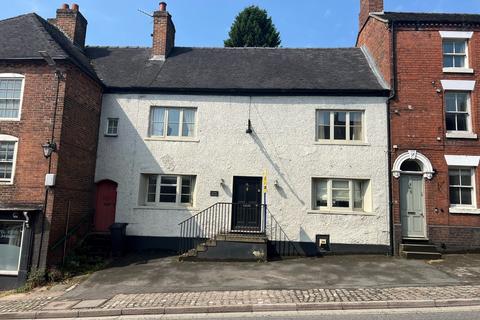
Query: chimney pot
{"x": 64, "y": 6}
{"x": 163, "y": 6}
{"x": 75, "y": 7}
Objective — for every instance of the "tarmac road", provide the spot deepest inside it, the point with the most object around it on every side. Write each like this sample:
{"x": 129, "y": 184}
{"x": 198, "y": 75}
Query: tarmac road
{"x": 460, "y": 313}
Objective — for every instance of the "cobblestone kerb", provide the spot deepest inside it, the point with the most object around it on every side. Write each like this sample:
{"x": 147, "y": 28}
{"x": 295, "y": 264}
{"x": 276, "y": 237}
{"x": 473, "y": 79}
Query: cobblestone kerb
{"x": 253, "y": 300}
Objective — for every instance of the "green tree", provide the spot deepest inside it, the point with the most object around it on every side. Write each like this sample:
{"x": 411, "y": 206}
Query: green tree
{"x": 253, "y": 28}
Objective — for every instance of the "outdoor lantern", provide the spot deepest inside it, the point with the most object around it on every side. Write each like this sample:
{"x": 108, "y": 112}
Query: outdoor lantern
{"x": 49, "y": 148}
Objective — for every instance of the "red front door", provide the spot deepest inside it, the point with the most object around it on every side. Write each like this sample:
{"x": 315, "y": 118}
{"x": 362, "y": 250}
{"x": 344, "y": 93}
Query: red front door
{"x": 105, "y": 205}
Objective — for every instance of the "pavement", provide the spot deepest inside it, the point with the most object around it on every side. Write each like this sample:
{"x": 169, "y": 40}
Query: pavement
{"x": 151, "y": 284}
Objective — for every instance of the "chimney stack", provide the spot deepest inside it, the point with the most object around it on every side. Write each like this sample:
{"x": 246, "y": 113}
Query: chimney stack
{"x": 72, "y": 23}
{"x": 163, "y": 33}
{"x": 367, "y": 7}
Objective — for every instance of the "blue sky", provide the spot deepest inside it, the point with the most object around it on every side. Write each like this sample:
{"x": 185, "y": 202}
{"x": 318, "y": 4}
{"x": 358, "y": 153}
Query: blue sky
{"x": 205, "y": 23}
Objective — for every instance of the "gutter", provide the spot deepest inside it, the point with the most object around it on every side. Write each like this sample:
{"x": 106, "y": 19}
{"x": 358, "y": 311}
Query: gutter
{"x": 250, "y": 92}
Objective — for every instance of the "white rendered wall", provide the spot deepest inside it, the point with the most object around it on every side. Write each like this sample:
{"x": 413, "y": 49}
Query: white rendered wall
{"x": 283, "y": 143}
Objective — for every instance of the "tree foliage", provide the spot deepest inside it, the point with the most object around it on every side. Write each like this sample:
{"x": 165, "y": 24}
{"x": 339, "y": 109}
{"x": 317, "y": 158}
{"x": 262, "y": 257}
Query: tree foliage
{"x": 253, "y": 28}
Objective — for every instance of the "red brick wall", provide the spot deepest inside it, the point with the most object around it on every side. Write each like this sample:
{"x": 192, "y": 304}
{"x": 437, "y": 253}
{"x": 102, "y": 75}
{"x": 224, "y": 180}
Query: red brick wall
{"x": 33, "y": 130}
{"x": 163, "y": 33}
{"x": 367, "y": 6}
{"x": 76, "y": 133}
{"x": 376, "y": 37}
{"x": 417, "y": 122}
{"x": 74, "y": 192}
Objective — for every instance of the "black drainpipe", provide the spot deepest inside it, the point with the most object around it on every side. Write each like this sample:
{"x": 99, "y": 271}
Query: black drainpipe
{"x": 393, "y": 93}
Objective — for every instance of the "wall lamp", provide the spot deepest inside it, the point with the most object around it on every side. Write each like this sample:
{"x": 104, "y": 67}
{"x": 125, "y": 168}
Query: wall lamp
{"x": 49, "y": 148}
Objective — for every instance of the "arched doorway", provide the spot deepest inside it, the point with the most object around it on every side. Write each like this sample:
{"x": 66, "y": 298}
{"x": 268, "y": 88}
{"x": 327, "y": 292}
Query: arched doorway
{"x": 105, "y": 204}
{"x": 412, "y": 168}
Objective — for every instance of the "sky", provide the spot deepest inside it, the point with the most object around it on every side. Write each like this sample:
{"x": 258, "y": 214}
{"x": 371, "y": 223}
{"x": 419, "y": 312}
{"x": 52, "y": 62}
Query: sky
{"x": 205, "y": 23}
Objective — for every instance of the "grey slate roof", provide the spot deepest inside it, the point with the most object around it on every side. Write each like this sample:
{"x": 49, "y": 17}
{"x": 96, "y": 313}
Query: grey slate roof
{"x": 24, "y": 36}
{"x": 413, "y": 17}
{"x": 237, "y": 70}
{"x": 230, "y": 70}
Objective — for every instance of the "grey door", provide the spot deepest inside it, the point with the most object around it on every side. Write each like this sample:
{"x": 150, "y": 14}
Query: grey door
{"x": 412, "y": 206}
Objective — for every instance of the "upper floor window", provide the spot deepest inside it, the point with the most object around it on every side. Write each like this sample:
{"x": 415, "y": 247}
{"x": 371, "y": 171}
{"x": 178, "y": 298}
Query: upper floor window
{"x": 112, "y": 127}
{"x": 457, "y": 105}
{"x": 461, "y": 184}
{"x": 11, "y": 87}
{"x": 455, "y": 53}
{"x": 340, "y": 125}
{"x": 7, "y": 158}
{"x": 342, "y": 194}
{"x": 172, "y": 122}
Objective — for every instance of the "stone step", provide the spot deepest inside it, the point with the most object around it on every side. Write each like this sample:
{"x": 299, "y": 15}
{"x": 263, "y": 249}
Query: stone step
{"x": 422, "y": 255}
{"x": 418, "y": 247}
{"x": 241, "y": 237}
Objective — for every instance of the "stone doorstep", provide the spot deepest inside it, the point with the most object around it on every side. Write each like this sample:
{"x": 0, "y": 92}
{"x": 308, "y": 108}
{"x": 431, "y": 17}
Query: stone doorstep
{"x": 79, "y": 313}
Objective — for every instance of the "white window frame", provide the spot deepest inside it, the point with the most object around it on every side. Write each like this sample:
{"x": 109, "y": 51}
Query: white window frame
{"x": 7, "y": 138}
{"x": 15, "y": 76}
{"x": 178, "y": 202}
{"x": 347, "y": 127}
{"x": 469, "y": 112}
{"x": 330, "y": 207}
{"x": 107, "y": 127}
{"x": 14, "y": 273}
{"x": 165, "y": 136}
{"x": 457, "y": 36}
{"x": 473, "y": 186}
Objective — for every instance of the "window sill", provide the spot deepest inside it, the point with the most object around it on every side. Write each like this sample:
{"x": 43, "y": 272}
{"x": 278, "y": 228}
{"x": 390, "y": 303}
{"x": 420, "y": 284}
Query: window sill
{"x": 6, "y": 183}
{"x": 172, "y": 139}
{"x": 458, "y": 70}
{"x": 340, "y": 143}
{"x": 460, "y": 210}
{"x": 10, "y": 119}
{"x": 460, "y": 135}
{"x": 9, "y": 273}
{"x": 157, "y": 208}
{"x": 345, "y": 213}
{"x": 110, "y": 135}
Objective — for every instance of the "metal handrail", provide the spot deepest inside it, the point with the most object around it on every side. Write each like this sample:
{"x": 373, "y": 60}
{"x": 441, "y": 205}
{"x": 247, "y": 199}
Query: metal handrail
{"x": 219, "y": 219}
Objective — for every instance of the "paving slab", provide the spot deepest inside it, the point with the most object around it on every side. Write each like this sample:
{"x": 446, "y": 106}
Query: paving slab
{"x": 61, "y": 305}
{"x": 89, "y": 304}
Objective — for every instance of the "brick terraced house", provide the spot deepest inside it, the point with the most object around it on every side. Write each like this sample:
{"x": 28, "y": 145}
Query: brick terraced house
{"x": 432, "y": 64}
{"x": 48, "y": 93}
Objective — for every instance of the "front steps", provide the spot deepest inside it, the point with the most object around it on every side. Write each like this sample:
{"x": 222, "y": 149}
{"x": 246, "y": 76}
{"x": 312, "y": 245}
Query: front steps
{"x": 419, "y": 249}
{"x": 230, "y": 247}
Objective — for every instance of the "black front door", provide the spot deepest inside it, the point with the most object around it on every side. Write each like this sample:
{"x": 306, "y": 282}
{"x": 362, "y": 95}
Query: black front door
{"x": 247, "y": 204}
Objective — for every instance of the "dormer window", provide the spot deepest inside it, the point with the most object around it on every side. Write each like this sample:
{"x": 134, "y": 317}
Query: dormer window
{"x": 455, "y": 51}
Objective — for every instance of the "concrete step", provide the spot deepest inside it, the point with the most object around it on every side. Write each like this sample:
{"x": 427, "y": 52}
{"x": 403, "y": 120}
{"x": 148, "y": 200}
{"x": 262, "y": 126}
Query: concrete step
{"x": 421, "y": 255}
{"x": 418, "y": 247}
{"x": 242, "y": 237}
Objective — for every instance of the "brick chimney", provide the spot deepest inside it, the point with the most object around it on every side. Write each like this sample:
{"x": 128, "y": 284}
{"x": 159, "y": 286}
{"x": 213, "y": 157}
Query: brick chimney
{"x": 72, "y": 23}
{"x": 163, "y": 33}
{"x": 367, "y": 7}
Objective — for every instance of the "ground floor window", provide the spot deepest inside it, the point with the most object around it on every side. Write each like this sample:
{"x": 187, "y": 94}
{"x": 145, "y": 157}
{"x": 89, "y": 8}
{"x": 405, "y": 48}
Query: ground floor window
{"x": 461, "y": 185}
{"x": 11, "y": 234}
{"x": 169, "y": 189}
{"x": 342, "y": 194}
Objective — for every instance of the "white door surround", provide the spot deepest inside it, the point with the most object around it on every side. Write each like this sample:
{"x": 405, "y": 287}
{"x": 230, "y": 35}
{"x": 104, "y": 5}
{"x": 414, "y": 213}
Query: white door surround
{"x": 425, "y": 164}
